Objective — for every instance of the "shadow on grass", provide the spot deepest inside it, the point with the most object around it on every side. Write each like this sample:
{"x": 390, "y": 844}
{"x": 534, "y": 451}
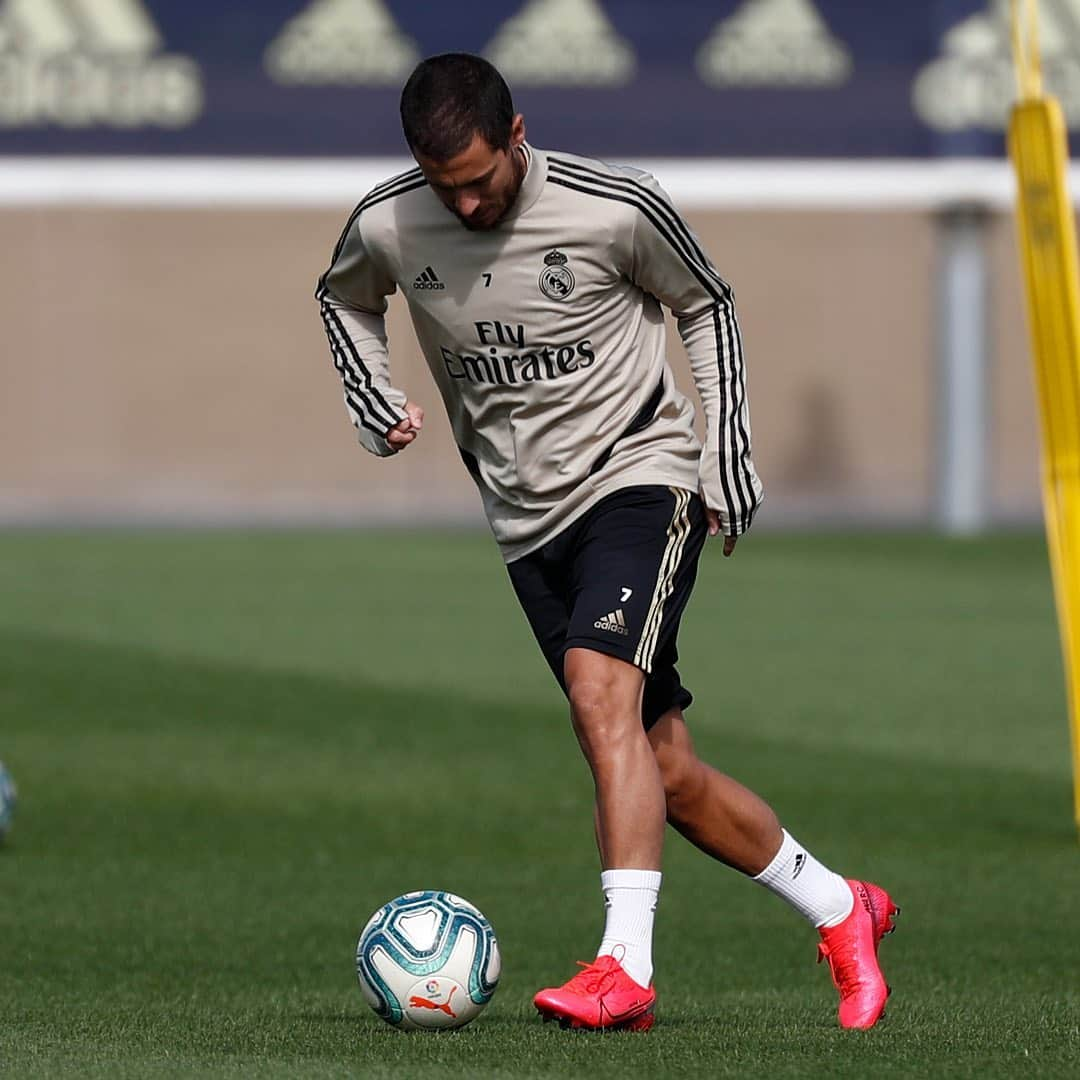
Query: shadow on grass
{"x": 184, "y": 725}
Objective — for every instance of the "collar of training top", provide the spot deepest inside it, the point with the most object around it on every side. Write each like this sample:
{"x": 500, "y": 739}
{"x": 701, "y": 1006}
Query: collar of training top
{"x": 533, "y": 184}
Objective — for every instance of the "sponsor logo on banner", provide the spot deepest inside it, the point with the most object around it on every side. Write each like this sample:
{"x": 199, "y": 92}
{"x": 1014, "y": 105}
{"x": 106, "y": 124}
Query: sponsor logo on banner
{"x": 85, "y": 63}
{"x": 561, "y": 43}
{"x": 774, "y": 43}
{"x": 973, "y": 84}
{"x": 348, "y": 42}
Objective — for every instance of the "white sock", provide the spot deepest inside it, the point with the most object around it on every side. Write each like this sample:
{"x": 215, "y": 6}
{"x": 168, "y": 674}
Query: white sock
{"x": 630, "y": 897}
{"x": 811, "y": 889}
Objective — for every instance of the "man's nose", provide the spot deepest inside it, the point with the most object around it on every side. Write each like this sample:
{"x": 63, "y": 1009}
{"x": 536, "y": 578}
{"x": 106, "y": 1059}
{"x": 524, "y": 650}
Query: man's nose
{"x": 466, "y": 203}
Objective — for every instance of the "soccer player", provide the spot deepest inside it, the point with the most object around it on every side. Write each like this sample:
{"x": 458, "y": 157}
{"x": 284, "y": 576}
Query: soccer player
{"x": 535, "y": 281}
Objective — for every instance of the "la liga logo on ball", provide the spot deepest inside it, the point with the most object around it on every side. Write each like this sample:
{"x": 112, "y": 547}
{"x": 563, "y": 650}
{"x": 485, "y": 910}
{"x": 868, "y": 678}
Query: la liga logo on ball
{"x": 556, "y": 279}
{"x": 428, "y": 961}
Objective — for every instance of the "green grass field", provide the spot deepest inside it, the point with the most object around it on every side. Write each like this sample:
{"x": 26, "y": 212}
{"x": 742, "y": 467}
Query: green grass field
{"x": 232, "y": 747}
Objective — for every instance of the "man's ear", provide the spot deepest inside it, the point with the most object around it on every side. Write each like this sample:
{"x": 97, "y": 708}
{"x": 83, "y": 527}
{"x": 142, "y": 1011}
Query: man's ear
{"x": 517, "y": 131}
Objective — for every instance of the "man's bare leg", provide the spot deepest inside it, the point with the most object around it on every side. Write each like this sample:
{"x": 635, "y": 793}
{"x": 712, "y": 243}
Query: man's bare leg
{"x": 734, "y": 825}
{"x": 605, "y": 705}
{"x": 714, "y": 812}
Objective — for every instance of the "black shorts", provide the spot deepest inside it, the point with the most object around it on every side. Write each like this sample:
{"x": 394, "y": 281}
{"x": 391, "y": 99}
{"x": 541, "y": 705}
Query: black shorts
{"x": 617, "y": 581}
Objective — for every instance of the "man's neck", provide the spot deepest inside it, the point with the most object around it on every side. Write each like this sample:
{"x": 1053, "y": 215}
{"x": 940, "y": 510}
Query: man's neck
{"x": 521, "y": 167}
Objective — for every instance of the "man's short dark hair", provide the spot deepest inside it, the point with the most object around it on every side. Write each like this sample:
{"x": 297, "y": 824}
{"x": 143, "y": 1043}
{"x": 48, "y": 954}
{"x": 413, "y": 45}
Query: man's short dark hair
{"x": 451, "y": 98}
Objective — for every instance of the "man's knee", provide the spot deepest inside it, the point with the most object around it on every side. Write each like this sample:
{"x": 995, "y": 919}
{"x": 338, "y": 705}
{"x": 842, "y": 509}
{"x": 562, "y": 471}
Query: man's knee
{"x": 604, "y": 693}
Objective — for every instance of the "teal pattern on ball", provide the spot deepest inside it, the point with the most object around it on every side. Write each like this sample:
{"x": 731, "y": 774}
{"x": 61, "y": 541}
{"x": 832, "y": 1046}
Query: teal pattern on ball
{"x": 384, "y": 934}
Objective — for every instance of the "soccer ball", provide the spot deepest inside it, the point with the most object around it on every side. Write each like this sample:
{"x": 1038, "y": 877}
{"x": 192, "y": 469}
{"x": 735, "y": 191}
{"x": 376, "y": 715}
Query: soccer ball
{"x": 8, "y": 800}
{"x": 428, "y": 960}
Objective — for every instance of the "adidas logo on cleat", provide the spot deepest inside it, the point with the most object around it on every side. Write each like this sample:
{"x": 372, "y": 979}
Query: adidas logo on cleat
{"x": 613, "y": 621}
{"x": 427, "y": 279}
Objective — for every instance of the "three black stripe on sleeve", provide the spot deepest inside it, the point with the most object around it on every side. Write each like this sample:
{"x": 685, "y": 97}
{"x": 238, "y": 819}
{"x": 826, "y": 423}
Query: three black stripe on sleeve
{"x": 362, "y": 396}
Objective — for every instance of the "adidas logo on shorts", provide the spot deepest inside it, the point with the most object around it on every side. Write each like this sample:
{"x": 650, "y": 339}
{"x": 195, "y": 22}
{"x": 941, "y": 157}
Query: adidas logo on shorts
{"x": 614, "y": 622}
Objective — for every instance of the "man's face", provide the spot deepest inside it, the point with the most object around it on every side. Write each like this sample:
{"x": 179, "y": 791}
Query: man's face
{"x": 480, "y": 184}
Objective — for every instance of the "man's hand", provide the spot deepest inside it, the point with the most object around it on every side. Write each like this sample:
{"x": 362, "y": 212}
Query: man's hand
{"x": 713, "y": 518}
{"x": 406, "y": 431}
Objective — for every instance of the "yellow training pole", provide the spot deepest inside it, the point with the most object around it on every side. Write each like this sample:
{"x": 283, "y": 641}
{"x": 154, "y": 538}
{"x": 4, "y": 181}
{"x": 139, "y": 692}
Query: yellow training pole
{"x": 1038, "y": 146}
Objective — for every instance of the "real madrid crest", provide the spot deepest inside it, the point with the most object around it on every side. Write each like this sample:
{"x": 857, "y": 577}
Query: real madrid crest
{"x": 556, "y": 279}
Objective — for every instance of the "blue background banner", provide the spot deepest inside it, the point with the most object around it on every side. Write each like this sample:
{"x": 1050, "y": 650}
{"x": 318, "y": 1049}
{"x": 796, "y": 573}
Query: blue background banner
{"x": 745, "y": 78}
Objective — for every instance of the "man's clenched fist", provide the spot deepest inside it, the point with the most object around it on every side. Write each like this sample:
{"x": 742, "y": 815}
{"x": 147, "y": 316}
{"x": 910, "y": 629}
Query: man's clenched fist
{"x": 406, "y": 431}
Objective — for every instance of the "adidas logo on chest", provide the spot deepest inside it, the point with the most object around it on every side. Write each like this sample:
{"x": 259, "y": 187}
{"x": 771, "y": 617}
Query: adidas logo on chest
{"x": 427, "y": 279}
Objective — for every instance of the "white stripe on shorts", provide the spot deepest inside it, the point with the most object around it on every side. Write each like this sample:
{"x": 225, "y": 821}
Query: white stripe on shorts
{"x": 678, "y": 531}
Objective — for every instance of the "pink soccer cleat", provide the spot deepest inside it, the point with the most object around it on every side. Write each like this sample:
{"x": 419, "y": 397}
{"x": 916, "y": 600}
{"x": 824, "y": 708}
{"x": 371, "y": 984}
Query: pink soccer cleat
{"x": 600, "y": 996}
{"x": 851, "y": 949}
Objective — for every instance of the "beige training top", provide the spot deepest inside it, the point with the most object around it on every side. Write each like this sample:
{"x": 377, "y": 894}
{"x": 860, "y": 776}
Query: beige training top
{"x": 546, "y": 339}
